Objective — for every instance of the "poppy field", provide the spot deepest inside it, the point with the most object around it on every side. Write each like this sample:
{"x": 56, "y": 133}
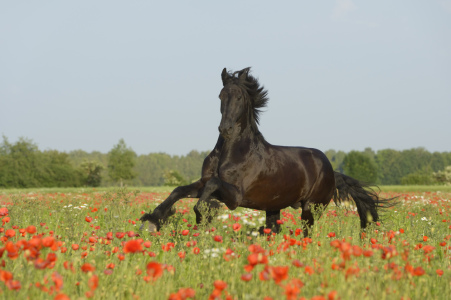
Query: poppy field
{"x": 87, "y": 244}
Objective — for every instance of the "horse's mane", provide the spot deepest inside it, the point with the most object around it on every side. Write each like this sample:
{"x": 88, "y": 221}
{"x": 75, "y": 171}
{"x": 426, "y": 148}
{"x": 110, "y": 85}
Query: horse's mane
{"x": 258, "y": 96}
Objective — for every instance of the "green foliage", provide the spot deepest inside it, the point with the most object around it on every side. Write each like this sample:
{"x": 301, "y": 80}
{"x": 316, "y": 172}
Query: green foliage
{"x": 443, "y": 177}
{"x": 173, "y": 178}
{"x": 336, "y": 159}
{"x": 22, "y": 165}
{"x": 92, "y": 173}
{"x": 417, "y": 178}
{"x": 395, "y": 165}
{"x": 121, "y": 161}
{"x": 360, "y": 166}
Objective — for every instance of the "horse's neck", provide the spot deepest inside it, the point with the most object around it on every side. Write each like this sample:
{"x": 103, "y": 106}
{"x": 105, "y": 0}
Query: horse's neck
{"x": 246, "y": 141}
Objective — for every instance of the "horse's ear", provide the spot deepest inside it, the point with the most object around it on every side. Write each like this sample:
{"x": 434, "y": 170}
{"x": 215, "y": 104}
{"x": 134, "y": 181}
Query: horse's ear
{"x": 225, "y": 76}
{"x": 242, "y": 75}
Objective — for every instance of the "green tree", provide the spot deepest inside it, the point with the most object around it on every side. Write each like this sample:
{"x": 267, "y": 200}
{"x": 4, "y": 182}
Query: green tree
{"x": 121, "y": 161}
{"x": 173, "y": 178}
{"x": 22, "y": 165}
{"x": 389, "y": 167}
{"x": 92, "y": 172}
{"x": 360, "y": 166}
{"x": 443, "y": 177}
{"x": 336, "y": 159}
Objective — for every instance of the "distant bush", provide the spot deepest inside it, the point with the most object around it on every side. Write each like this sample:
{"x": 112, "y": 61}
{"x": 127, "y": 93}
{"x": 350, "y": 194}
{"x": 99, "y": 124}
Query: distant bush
{"x": 173, "y": 178}
{"x": 22, "y": 165}
{"x": 360, "y": 166}
{"x": 443, "y": 177}
{"x": 418, "y": 178}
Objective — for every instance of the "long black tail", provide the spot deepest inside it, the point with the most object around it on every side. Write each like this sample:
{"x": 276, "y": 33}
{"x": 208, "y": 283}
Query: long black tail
{"x": 366, "y": 199}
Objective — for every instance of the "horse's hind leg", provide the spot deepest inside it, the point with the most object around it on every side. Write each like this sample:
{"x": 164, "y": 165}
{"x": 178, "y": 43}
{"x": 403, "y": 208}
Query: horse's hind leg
{"x": 308, "y": 214}
{"x": 271, "y": 221}
{"x": 206, "y": 210}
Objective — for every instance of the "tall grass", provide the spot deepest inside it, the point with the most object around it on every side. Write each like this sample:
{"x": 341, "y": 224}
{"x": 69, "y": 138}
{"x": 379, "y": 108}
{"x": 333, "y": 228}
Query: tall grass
{"x": 328, "y": 263}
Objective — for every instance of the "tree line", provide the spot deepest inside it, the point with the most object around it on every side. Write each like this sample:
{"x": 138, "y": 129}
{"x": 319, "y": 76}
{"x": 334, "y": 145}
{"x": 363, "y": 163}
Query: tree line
{"x": 23, "y": 165}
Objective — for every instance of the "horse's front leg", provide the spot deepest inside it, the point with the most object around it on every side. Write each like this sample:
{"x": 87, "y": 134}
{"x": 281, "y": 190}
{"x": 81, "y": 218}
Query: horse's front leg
{"x": 227, "y": 193}
{"x": 271, "y": 221}
{"x": 163, "y": 211}
{"x": 206, "y": 210}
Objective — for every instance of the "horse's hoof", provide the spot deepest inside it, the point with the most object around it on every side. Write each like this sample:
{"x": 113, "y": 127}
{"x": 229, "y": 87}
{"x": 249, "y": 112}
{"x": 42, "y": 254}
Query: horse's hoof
{"x": 148, "y": 226}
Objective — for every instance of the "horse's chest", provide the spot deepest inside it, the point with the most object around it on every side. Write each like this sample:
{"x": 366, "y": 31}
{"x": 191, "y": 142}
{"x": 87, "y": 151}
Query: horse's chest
{"x": 230, "y": 172}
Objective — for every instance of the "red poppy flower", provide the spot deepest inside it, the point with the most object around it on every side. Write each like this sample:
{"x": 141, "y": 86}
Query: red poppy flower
{"x": 57, "y": 280}
{"x": 279, "y": 273}
{"x": 110, "y": 266}
{"x": 257, "y": 258}
{"x": 219, "y": 285}
{"x": 236, "y": 226}
{"x": 133, "y": 246}
{"x": 10, "y": 233}
{"x": 246, "y": 276}
{"x": 418, "y": 271}
{"x": 61, "y": 296}
{"x": 87, "y": 267}
{"x": 217, "y": 238}
{"x": 3, "y": 211}
{"x": 13, "y": 285}
{"x": 120, "y": 235}
{"x": 297, "y": 263}
{"x": 31, "y": 229}
{"x": 428, "y": 249}
{"x": 48, "y": 241}
{"x": 75, "y": 246}
{"x": 309, "y": 270}
{"x": 185, "y": 232}
{"x": 154, "y": 270}
{"x": 332, "y": 295}
{"x": 93, "y": 282}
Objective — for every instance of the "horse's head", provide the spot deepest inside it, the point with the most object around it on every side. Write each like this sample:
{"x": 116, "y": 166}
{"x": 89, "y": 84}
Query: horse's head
{"x": 234, "y": 101}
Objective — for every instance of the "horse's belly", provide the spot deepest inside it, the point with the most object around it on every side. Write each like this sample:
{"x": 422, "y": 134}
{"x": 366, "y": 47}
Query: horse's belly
{"x": 263, "y": 199}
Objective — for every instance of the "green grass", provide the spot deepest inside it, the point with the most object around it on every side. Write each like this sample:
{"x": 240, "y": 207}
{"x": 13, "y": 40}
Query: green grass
{"x": 53, "y": 211}
{"x": 87, "y": 190}
{"x": 163, "y": 189}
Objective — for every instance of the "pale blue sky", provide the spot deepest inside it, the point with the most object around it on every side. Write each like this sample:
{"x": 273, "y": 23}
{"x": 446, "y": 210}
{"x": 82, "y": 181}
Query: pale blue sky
{"x": 341, "y": 75}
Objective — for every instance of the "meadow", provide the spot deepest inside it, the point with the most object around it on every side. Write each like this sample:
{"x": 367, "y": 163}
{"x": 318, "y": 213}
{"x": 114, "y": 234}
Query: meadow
{"x": 86, "y": 243}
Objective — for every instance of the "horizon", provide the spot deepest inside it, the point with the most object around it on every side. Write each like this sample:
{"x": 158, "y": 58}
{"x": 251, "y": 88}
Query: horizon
{"x": 208, "y": 150}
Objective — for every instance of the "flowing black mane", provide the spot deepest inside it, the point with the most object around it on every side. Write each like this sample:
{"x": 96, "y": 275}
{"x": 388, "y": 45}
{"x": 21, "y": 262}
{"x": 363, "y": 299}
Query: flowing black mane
{"x": 258, "y": 96}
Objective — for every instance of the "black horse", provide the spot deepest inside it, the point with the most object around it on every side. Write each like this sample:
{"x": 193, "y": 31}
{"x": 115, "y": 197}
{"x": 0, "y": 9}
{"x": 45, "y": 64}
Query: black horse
{"x": 245, "y": 170}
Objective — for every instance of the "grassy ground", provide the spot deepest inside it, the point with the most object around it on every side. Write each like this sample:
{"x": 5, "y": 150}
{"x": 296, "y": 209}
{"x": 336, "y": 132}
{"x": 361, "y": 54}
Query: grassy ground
{"x": 87, "y": 245}
{"x": 163, "y": 189}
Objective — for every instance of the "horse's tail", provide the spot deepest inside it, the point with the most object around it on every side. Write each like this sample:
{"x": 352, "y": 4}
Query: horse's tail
{"x": 366, "y": 199}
